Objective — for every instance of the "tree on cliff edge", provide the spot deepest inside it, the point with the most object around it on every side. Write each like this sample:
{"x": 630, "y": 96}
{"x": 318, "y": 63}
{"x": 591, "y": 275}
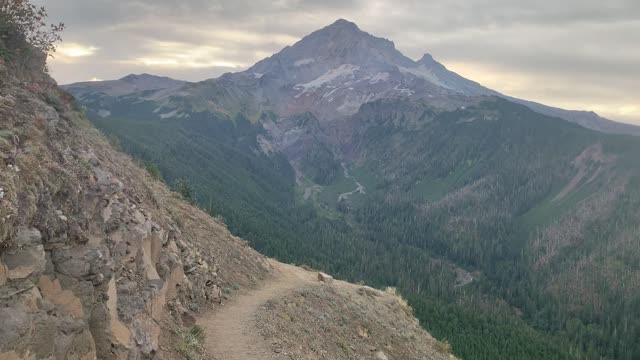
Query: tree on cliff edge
{"x": 20, "y": 18}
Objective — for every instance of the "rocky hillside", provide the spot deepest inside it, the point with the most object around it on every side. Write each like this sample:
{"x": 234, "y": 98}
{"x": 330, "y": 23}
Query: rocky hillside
{"x": 98, "y": 260}
{"x": 95, "y": 253}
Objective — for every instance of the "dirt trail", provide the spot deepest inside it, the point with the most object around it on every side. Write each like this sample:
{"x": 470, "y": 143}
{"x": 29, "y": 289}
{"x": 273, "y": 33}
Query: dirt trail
{"x": 231, "y": 333}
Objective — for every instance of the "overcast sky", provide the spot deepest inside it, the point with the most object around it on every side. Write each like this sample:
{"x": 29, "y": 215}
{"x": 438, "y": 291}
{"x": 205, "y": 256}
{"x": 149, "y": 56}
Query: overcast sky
{"x": 576, "y": 54}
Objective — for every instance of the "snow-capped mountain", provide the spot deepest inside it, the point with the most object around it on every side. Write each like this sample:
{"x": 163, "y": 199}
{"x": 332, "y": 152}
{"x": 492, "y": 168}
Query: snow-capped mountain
{"x": 330, "y": 73}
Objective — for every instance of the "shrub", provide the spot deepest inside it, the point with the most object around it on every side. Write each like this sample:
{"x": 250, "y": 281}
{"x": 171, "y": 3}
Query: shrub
{"x": 184, "y": 188}
{"x": 21, "y": 18}
{"x": 443, "y": 347}
{"x": 191, "y": 343}
{"x": 153, "y": 170}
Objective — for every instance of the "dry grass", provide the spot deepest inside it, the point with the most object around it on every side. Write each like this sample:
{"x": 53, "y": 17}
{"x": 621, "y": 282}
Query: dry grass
{"x": 343, "y": 321}
{"x": 191, "y": 343}
{"x": 393, "y": 292}
{"x": 442, "y": 346}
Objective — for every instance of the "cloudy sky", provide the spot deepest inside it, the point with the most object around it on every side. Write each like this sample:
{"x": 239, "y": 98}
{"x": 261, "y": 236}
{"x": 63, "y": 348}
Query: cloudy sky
{"x": 576, "y": 54}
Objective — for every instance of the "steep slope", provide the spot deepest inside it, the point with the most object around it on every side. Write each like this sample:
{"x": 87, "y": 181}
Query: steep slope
{"x": 96, "y": 256}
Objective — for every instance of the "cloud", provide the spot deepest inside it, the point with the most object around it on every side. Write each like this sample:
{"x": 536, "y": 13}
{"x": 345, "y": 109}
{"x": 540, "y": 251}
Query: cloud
{"x": 182, "y": 55}
{"x": 74, "y": 50}
{"x": 570, "y": 52}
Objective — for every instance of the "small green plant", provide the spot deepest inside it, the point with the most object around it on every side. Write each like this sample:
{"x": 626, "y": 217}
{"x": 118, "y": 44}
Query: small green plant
{"x": 153, "y": 170}
{"x": 345, "y": 348}
{"x": 113, "y": 141}
{"x": 4, "y": 52}
{"x": 6, "y": 134}
{"x": 52, "y": 97}
{"x": 191, "y": 343}
{"x": 185, "y": 190}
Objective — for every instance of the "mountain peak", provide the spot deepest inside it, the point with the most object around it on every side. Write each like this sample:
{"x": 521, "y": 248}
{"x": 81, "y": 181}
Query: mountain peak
{"x": 344, "y": 24}
{"x": 338, "y": 44}
{"x": 134, "y": 77}
{"x": 426, "y": 58}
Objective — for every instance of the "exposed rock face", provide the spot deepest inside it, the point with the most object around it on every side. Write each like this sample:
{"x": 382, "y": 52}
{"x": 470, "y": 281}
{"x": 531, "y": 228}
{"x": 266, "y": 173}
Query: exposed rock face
{"x": 327, "y": 279}
{"x": 94, "y": 255}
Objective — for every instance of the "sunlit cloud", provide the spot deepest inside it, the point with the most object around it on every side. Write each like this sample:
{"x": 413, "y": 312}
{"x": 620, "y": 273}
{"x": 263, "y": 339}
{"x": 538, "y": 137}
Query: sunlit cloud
{"x": 630, "y": 110}
{"x": 74, "y": 50}
{"x": 554, "y": 91}
{"x": 163, "y": 54}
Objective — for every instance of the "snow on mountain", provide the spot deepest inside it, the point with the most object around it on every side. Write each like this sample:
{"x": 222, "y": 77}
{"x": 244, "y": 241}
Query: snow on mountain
{"x": 330, "y": 73}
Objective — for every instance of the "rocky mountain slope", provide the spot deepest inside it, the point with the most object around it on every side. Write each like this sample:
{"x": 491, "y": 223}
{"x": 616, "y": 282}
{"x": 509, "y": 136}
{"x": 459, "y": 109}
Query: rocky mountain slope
{"x": 330, "y": 73}
{"x": 95, "y": 253}
{"x": 98, "y": 260}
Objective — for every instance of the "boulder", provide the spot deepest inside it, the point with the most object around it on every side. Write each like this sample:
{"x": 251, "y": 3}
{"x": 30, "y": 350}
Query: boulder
{"x": 381, "y": 356}
{"x": 146, "y": 334}
{"x": 45, "y": 335}
{"x": 25, "y": 262}
{"x": 73, "y": 266}
{"x": 50, "y": 115}
{"x": 16, "y": 324}
{"x": 28, "y": 237}
{"x": 65, "y": 300}
{"x": 30, "y": 299}
{"x": 106, "y": 183}
{"x": 325, "y": 278}
{"x": 7, "y": 101}
{"x": 80, "y": 261}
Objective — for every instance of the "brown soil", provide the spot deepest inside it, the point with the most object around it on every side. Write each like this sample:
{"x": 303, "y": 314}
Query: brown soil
{"x": 231, "y": 331}
{"x": 294, "y": 316}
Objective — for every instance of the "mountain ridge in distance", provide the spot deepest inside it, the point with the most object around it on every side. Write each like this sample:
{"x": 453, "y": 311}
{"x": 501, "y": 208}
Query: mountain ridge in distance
{"x": 337, "y": 67}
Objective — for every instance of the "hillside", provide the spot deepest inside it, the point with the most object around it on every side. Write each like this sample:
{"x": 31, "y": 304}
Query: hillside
{"x": 98, "y": 259}
{"x": 509, "y": 225}
{"x": 296, "y": 316}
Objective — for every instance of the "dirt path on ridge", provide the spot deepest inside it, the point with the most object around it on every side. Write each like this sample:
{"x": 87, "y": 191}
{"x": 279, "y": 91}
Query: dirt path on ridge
{"x": 231, "y": 333}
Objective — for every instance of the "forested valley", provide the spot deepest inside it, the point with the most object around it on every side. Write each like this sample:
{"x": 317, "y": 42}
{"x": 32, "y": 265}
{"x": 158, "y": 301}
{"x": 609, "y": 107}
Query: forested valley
{"x": 478, "y": 215}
